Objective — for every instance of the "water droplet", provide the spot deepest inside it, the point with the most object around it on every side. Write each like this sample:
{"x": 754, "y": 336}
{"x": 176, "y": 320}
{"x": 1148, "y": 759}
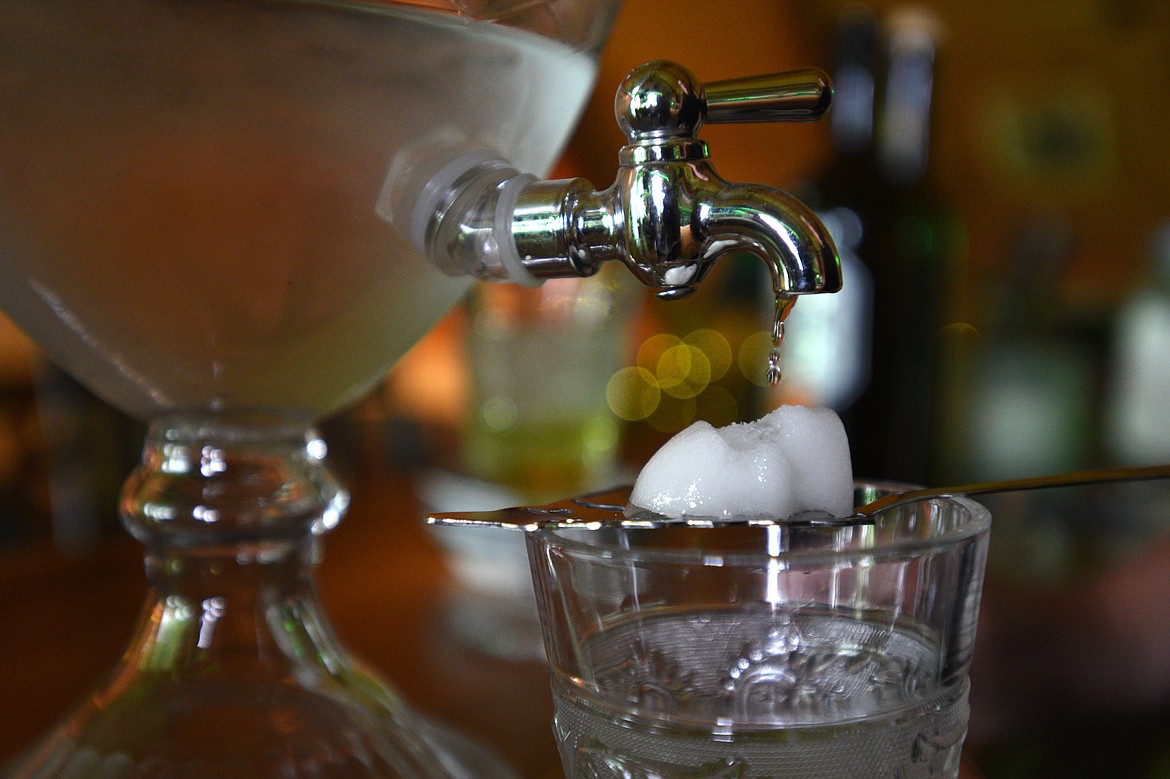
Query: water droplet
{"x": 784, "y": 305}
{"x": 773, "y": 374}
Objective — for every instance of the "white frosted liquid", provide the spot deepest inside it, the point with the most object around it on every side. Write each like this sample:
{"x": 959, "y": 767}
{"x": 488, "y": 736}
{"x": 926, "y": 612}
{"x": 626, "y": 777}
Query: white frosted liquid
{"x": 745, "y": 696}
{"x": 188, "y": 188}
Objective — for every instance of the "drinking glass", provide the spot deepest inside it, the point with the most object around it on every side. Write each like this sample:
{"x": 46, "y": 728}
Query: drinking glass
{"x": 751, "y": 652}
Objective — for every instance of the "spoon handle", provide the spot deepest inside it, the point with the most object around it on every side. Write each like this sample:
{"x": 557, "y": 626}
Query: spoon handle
{"x": 1074, "y": 479}
{"x": 612, "y": 509}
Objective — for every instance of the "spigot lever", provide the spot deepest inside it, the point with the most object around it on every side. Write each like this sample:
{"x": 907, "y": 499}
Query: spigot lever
{"x": 662, "y": 100}
{"x": 792, "y": 96}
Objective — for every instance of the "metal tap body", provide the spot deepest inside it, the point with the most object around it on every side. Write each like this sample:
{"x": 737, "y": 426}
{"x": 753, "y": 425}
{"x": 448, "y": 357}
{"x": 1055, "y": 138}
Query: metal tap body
{"x": 668, "y": 216}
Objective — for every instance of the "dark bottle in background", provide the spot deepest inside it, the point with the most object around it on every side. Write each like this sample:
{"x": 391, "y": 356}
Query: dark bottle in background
{"x": 1026, "y": 401}
{"x": 907, "y": 238}
{"x": 1137, "y": 411}
{"x": 851, "y": 180}
{"x": 825, "y": 355}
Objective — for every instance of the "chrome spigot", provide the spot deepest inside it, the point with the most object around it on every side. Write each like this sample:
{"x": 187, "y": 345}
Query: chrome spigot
{"x": 668, "y": 217}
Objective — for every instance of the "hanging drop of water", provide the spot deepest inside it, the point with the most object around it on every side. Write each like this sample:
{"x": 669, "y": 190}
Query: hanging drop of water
{"x": 784, "y": 304}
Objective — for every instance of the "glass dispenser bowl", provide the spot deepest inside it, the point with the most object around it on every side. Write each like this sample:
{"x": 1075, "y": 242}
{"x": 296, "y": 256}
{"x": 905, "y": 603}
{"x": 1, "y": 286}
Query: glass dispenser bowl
{"x": 188, "y": 224}
{"x": 188, "y": 189}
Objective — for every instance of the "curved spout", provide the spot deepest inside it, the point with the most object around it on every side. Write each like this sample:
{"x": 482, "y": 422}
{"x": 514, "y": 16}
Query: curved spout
{"x": 776, "y": 227}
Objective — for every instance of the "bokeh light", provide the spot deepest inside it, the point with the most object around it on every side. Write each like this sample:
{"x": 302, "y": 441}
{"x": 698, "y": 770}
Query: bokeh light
{"x": 652, "y": 349}
{"x": 673, "y": 380}
{"x": 714, "y": 345}
{"x": 632, "y": 393}
{"x": 683, "y": 371}
{"x": 753, "y": 357}
{"x": 499, "y": 413}
{"x": 717, "y": 406}
{"x": 673, "y": 415}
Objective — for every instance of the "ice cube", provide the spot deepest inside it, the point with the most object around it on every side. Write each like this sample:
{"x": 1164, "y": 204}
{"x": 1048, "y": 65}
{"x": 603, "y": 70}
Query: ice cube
{"x": 792, "y": 460}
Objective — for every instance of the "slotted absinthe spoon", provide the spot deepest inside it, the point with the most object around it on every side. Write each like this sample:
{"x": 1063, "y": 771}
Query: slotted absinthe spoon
{"x": 612, "y": 508}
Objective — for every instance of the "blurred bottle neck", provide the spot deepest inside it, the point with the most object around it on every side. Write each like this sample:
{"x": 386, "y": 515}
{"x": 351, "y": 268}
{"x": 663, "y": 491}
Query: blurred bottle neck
{"x": 851, "y": 123}
{"x": 904, "y": 125}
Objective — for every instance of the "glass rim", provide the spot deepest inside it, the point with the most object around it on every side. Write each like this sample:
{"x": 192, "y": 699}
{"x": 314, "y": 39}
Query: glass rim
{"x": 603, "y": 545}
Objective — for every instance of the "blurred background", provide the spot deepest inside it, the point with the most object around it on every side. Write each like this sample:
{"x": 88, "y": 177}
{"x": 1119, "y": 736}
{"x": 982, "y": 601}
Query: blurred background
{"x": 997, "y": 177}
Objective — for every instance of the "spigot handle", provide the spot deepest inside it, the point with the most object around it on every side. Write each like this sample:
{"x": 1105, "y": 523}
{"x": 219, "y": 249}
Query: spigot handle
{"x": 663, "y": 101}
{"x": 792, "y": 96}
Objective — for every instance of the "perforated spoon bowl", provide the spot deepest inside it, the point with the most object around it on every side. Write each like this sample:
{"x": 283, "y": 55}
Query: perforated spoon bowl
{"x": 612, "y": 508}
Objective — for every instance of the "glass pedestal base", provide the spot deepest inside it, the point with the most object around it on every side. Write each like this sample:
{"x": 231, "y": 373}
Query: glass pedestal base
{"x": 233, "y": 671}
{"x": 253, "y": 732}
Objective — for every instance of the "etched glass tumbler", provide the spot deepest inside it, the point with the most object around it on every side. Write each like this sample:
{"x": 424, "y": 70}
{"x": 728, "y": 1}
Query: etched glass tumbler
{"x": 746, "y": 651}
